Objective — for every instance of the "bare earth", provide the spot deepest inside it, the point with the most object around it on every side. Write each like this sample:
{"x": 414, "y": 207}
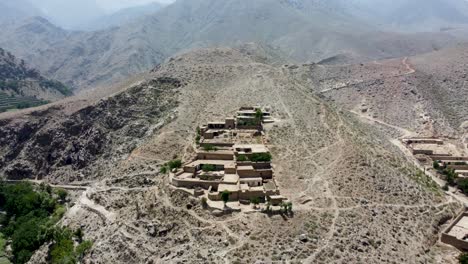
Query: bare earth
{"x": 356, "y": 198}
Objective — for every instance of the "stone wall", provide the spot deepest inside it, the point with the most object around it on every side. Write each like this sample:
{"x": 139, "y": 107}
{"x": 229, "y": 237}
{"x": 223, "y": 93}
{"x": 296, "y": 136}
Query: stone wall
{"x": 451, "y": 240}
{"x": 188, "y": 183}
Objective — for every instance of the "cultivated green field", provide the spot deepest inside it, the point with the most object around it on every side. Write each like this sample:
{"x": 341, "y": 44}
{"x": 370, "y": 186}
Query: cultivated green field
{"x": 8, "y": 102}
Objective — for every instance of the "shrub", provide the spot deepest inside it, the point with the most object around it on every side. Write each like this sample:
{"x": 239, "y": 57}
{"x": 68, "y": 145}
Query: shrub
{"x": 463, "y": 185}
{"x": 209, "y": 147}
{"x": 436, "y": 165}
{"x": 225, "y": 196}
{"x": 208, "y": 167}
{"x": 451, "y": 176}
{"x": 463, "y": 258}
{"x": 242, "y": 158}
{"x": 445, "y": 187}
{"x": 61, "y": 193}
{"x": 260, "y": 157}
{"x": 174, "y": 164}
{"x": 163, "y": 170}
{"x": 255, "y": 200}
{"x": 204, "y": 202}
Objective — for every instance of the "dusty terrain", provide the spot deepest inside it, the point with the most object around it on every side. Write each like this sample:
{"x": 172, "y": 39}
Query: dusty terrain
{"x": 425, "y": 94}
{"x": 355, "y": 196}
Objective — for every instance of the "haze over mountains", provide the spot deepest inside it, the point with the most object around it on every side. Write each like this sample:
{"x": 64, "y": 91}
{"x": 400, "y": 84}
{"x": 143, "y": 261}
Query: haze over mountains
{"x": 303, "y": 30}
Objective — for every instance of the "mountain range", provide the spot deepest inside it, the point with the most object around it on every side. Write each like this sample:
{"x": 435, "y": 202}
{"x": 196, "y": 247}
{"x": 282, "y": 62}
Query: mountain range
{"x": 304, "y": 30}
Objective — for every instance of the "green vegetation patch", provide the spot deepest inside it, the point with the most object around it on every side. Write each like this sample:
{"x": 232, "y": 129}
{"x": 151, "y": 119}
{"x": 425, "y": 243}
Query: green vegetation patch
{"x": 32, "y": 213}
{"x": 8, "y": 102}
{"x": 208, "y": 167}
{"x": 260, "y": 157}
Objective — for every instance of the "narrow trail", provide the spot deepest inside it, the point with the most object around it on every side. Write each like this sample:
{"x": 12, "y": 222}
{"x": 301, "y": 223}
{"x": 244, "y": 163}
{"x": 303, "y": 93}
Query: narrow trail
{"x": 321, "y": 170}
{"x": 410, "y": 70}
{"x": 405, "y": 132}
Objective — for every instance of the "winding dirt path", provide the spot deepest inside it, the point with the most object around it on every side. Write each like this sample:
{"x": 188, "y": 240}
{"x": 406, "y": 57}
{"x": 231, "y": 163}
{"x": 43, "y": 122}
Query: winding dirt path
{"x": 409, "y": 68}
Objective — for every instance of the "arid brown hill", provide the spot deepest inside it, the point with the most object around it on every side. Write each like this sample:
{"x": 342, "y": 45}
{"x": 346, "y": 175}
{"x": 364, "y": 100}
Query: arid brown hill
{"x": 426, "y": 94}
{"x": 355, "y": 197}
{"x": 304, "y": 30}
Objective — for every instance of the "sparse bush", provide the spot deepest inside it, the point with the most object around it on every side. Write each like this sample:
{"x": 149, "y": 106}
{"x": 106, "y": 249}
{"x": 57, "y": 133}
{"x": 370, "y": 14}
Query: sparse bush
{"x": 204, "y": 202}
{"x": 445, "y": 187}
{"x": 174, "y": 164}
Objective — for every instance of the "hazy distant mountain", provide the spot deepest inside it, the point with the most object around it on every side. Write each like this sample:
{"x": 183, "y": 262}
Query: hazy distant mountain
{"x": 13, "y": 10}
{"x": 409, "y": 15}
{"x": 69, "y": 14}
{"x": 123, "y": 16}
{"x": 305, "y": 30}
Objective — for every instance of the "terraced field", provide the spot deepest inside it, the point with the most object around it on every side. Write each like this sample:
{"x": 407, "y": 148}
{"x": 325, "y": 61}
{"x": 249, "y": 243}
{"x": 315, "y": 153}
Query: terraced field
{"x": 8, "y": 102}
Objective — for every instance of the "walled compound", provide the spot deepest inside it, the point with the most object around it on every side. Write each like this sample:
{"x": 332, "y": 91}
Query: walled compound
{"x": 456, "y": 234}
{"x": 436, "y": 151}
{"x": 231, "y": 156}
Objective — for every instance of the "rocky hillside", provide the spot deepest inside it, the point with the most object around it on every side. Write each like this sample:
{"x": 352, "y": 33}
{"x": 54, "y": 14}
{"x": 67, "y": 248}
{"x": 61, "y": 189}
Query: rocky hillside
{"x": 22, "y": 86}
{"x": 79, "y": 146}
{"x": 423, "y": 94}
{"x": 304, "y": 30}
{"x": 355, "y": 196}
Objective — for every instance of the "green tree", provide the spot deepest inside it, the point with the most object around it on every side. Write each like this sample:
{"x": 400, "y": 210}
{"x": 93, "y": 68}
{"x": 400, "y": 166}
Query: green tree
{"x": 204, "y": 202}
{"x": 61, "y": 193}
{"x": 255, "y": 201}
{"x": 436, "y": 165}
{"x": 225, "y": 196}
{"x": 463, "y": 185}
{"x": 463, "y": 258}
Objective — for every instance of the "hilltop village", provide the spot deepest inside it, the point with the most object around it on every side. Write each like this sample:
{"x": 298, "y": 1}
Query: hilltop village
{"x": 232, "y": 166}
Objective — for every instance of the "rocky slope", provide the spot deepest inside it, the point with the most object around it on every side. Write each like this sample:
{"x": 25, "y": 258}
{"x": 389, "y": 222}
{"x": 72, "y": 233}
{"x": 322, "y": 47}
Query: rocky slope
{"x": 355, "y": 197}
{"x": 424, "y": 94}
{"x": 304, "y": 30}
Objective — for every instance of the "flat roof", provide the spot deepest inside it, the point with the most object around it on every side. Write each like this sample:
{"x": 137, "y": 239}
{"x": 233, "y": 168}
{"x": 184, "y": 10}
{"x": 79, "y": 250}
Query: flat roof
{"x": 270, "y": 186}
{"x": 245, "y": 168}
{"x": 228, "y": 187}
{"x": 185, "y": 175}
{"x": 251, "y": 179}
{"x": 277, "y": 197}
{"x": 256, "y": 148}
{"x": 216, "y": 123}
{"x": 219, "y": 151}
{"x": 231, "y": 178}
{"x": 211, "y": 162}
{"x": 460, "y": 229}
